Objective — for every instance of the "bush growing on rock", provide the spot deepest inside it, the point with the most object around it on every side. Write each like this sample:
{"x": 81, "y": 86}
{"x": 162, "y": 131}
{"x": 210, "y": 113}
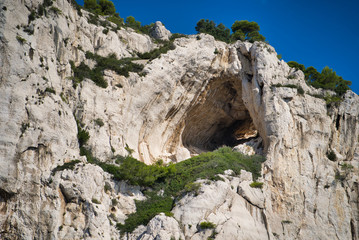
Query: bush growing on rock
{"x": 207, "y": 225}
{"x": 69, "y": 165}
{"x": 163, "y": 184}
{"x": 82, "y": 135}
{"x": 256, "y": 185}
{"x": 166, "y": 46}
{"x": 121, "y": 67}
{"x": 175, "y": 180}
{"x": 103, "y": 7}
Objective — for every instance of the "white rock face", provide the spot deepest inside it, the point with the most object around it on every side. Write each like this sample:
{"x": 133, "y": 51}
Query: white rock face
{"x": 160, "y": 32}
{"x": 160, "y": 227}
{"x": 199, "y": 96}
{"x": 221, "y": 203}
{"x": 253, "y": 146}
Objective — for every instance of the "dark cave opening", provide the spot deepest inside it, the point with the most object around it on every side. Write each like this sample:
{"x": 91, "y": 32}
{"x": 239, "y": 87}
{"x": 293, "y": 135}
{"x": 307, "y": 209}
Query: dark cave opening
{"x": 219, "y": 118}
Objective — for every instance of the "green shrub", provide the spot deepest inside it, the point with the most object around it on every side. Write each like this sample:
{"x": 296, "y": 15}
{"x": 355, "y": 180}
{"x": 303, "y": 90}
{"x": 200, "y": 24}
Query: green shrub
{"x": 116, "y": 20}
{"x": 145, "y": 211}
{"x": 340, "y": 177}
{"x": 207, "y": 225}
{"x": 56, "y": 10}
{"x": 213, "y": 235}
{"x": 102, "y": 7}
{"x": 131, "y": 22}
{"x": 83, "y": 71}
{"x": 121, "y": 67}
{"x": 69, "y": 165}
{"x": 129, "y": 150}
{"x": 82, "y": 135}
{"x": 216, "y": 178}
{"x": 167, "y": 46}
{"x": 107, "y": 188}
{"x": 327, "y": 79}
{"x": 171, "y": 179}
{"x": 192, "y": 187}
{"x": 174, "y": 180}
{"x": 332, "y": 99}
{"x": 99, "y": 122}
{"x": 50, "y": 90}
{"x": 242, "y": 30}
{"x": 332, "y": 156}
{"x": 20, "y": 39}
{"x": 32, "y": 16}
{"x": 346, "y": 167}
{"x": 136, "y": 172}
{"x": 24, "y": 126}
{"x": 47, "y": 3}
{"x": 256, "y": 185}
{"x": 93, "y": 19}
{"x": 296, "y": 65}
{"x": 40, "y": 10}
{"x": 94, "y": 200}
{"x": 300, "y": 90}
{"x": 114, "y": 202}
{"x": 169, "y": 214}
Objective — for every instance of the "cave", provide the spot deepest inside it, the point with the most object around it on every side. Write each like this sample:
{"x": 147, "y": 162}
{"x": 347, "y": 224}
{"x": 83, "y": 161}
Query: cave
{"x": 219, "y": 118}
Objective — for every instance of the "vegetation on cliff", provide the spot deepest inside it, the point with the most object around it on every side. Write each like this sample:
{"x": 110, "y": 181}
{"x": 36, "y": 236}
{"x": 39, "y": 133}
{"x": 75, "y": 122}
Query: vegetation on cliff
{"x": 164, "y": 184}
{"x": 107, "y": 8}
{"x": 326, "y": 79}
{"x": 242, "y": 30}
{"x": 174, "y": 180}
{"x": 120, "y": 66}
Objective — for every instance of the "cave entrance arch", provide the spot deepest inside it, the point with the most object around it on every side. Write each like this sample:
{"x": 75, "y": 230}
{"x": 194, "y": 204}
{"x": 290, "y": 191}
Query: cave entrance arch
{"x": 218, "y": 118}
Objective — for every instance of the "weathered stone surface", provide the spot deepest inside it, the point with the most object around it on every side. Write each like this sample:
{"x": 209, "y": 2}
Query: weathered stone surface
{"x": 221, "y": 204}
{"x": 197, "y": 97}
{"x": 160, "y": 32}
{"x": 161, "y": 228}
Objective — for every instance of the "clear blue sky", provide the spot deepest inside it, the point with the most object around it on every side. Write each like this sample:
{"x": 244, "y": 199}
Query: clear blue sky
{"x": 315, "y": 33}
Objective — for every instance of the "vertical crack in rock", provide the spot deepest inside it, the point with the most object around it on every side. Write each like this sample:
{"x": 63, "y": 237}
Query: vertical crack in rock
{"x": 352, "y": 229}
{"x": 218, "y": 118}
{"x": 265, "y": 222}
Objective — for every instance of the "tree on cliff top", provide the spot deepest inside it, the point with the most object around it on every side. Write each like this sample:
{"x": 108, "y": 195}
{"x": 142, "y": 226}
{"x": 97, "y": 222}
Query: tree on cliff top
{"x": 242, "y": 30}
{"x": 101, "y": 7}
{"x": 219, "y": 32}
{"x": 327, "y": 79}
{"x": 245, "y": 30}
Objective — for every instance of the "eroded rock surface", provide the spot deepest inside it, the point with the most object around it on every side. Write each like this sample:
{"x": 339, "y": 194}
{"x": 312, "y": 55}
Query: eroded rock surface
{"x": 201, "y": 95}
{"x": 159, "y": 31}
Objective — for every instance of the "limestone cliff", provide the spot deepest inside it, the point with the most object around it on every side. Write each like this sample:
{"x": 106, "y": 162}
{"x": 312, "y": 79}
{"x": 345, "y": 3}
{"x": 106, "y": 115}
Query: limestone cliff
{"x": 197, "y": 97}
